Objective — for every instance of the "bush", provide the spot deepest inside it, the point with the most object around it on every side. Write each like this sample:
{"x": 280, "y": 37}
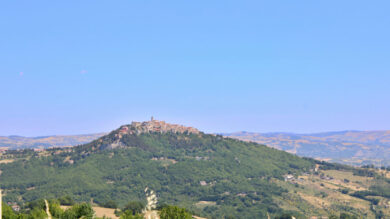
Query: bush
{"x": 38, "y": 213}
{"x": 37, "y": 204}
{"x": 55, "y": 209}
{"x": 174, "y": 212}
{"x": 129, "y": 215}
{"x": 79, "y": 210}
{"x": 66, "y": 200}
{"x": 347, "y": 216}
{"x": 110, "y": 204}
{"x": 134, "y": 207}
{"x": 8, "y": 213}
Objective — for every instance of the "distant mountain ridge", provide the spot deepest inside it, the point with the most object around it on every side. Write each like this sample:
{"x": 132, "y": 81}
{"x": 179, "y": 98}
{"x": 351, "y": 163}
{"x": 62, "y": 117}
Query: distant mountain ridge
{"x": 349, "y": 147}
{"x": 20, "y": 142}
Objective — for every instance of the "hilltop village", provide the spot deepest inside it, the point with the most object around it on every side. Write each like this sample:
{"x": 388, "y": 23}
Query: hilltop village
{"x": 155, "y": 126}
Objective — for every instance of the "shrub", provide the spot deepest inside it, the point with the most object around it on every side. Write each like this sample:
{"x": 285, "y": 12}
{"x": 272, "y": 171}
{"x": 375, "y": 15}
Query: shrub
{"x": 8, "y": 213}
{"x": 347, "y": 216}
{"x": 79, "y": 210}
{"x": 110, "y": 204}
{"x": 66, "y": 200}
{"x": 174, "y": 212}
{"x": 129, "y": 215}
{"x": 135, "y": 207}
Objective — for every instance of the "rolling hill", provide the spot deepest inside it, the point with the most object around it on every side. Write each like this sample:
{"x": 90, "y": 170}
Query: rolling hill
{"x": 213, "y": 176}
{"x": 20, "y": 142}
{"x": 348, "y": 147}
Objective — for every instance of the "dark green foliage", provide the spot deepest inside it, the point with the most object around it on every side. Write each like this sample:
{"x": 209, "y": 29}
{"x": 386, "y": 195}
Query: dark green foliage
{"x": 323, "y": 194}
{"x": 134, "y": 207}
{"x": 110, "y": 204}
{"x": 80, "y": 210}
{"x": 8, "y": 213}
{"x": 344, "y": 191}
{"x": 363, "y": 194}
{"x": 55, "y": 209}
{"x": 174, "y": 212}
{"x": 129, "y": 215}
{"x": 36, "y": 204}
{"x": 347, "y": 216}
{"x": 364, "y": 172}
{"x": 37, "y": 211}
{"x": 66, "y": 200}
{"x": 381, "y": 187}
{"x": 374, "y": 201}
{"x": 369, "y": 166}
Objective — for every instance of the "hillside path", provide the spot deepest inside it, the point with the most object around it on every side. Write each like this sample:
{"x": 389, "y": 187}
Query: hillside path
{"x": 47, "y": 210}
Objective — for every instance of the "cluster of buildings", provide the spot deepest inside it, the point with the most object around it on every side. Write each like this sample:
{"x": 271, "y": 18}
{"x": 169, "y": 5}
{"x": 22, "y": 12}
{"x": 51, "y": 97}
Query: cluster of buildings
{"x": 292, "y": 179}
{"x": 156, "y": 126}
{"x": 14, "y": 206}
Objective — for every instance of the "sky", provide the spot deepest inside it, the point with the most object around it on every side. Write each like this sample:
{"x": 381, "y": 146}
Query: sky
{"x": 76, "y": 67}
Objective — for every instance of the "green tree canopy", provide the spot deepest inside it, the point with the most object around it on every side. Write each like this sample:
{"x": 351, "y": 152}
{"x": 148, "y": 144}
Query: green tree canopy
{"x": 174, "y": 212}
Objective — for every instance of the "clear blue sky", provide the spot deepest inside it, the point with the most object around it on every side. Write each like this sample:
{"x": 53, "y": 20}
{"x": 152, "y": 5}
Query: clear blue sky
{"x": 71, "y": 67}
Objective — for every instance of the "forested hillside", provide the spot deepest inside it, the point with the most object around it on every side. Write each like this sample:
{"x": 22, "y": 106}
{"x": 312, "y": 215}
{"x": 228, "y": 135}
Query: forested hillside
{"x": 211, "y": 175}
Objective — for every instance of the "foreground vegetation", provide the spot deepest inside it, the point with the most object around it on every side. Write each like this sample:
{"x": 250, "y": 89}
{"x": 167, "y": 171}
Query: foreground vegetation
{"x": 133, "y": 210}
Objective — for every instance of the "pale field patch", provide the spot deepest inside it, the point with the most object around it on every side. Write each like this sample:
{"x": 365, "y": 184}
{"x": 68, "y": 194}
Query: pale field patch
{"x": 202, "y": 204}
{"x": 323, "y": 193}
{"x": 99, "y": 211}
{"x": 7, "y": 161}
{"x": 196, "y": 217}
{"x": 108, "y": 212}
{"x": 339, "y": 177}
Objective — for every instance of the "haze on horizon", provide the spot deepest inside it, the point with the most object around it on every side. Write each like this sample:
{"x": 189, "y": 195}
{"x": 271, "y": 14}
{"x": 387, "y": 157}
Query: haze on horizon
{"x": 86, "y": 67}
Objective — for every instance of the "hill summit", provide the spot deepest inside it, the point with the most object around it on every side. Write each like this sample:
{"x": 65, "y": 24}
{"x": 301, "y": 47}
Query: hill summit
{"x": 155, "y": 126}
{"x": 128, "y": 135}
